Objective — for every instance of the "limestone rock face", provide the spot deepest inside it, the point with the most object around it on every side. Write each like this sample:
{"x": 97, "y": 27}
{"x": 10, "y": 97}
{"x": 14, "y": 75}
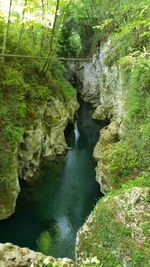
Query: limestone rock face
{"x": 111, "y": 89}
{"x": 45, "y": 137}
{"x": 14, "y": 256}
{"x": 111, "y": 108}
{"x": 87, "y": 75}
{"x": 117, "y": 231}
{"x": 102, "y": 86}
{"x": 99, "y": 84}
{"x": 103, "y": 112}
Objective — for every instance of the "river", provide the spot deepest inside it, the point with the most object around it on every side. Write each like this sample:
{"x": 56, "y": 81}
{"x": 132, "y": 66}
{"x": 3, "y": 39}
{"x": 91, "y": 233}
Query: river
{"x": 50, "y": 212}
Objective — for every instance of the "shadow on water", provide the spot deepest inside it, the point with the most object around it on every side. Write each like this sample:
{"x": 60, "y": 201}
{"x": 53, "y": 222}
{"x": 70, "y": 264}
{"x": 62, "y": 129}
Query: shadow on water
{"x": 50, "y": 212}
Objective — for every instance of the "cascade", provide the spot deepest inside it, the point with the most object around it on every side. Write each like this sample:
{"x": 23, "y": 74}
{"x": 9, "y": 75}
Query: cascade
{"x": 76, "y": 132}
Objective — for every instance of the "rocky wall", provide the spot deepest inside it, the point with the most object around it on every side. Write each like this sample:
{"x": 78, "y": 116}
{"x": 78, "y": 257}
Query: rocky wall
{"x": 102, "y": 86}
{"x": 14, "y": 256}
{"x": 43, "y": 137}
{"x": 99, "y": 84}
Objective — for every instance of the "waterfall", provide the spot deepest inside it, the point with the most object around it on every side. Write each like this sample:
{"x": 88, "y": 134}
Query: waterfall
{"x": 76, "y": 132}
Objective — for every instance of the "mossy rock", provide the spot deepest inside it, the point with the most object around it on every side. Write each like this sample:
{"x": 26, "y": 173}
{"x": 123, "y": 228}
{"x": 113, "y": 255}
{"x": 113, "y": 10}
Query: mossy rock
{"x": 117, "y": 231}
{"x": 9, "y": 184}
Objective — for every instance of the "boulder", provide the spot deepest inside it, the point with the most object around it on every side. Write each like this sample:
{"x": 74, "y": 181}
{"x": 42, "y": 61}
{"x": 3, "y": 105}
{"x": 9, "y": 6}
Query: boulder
{"x": 14, "y": 256}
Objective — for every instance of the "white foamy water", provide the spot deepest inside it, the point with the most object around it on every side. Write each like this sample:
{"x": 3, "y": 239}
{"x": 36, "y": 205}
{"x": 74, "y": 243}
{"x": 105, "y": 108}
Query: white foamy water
{"x": 64, "y": 226}
{"x": 76, "y": 132}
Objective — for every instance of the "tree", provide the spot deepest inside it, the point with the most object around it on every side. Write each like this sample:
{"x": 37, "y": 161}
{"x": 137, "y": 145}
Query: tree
{"x": 22, "y": 25}
{"x": 46, "y": 64}
{"x": 42, "y": 34}
{"x": 4, "y": 46}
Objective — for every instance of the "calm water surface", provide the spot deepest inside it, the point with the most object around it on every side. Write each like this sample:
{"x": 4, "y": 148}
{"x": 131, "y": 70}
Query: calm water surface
{"x": 50, "y": 212}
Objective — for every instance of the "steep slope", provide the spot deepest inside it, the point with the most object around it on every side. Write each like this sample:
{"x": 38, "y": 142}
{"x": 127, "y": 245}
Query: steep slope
{"x": 117, "y": 232}
{"x": 34, "y": 113}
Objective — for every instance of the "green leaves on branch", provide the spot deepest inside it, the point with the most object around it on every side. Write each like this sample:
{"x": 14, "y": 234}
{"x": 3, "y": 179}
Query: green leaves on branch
{"x": 103, "y": 24}
{"x": 34, "y": 27}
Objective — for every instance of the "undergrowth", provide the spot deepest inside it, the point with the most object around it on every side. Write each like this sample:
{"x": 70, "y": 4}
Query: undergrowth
{"x": 22, "y": 92}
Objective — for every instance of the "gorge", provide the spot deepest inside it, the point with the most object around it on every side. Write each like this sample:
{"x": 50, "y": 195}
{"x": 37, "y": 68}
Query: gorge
{"x": 74, "y": 179}
{"x": 51, "y": 210}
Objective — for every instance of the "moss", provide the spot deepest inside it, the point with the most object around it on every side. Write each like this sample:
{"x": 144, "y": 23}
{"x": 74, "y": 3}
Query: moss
{"x": 106, "y": 235}
{"x": 63, "y": 89}
{"x": 111, "y": 240}
{"x": 112, "y": 57}
{"x": 44, "y": 242}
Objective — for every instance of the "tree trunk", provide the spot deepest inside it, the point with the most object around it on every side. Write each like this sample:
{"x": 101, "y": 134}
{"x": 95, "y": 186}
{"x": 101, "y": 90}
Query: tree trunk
{"x": 47, "y": 62}
{"x": 22, "y": 26}
{"x": 42, "y": 34}
{"x": 62, "y": 21}
{"x": 64, "y": 15}
{"x": 4, "y": 46}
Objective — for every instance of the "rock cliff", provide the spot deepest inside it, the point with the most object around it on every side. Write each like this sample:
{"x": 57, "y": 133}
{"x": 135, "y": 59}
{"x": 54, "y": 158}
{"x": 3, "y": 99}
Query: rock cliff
{"x": 99, "y": 84}
{"x": 43, "y": 137}
{"x": 102, "y": 86}
{"x": 117, "y": 231}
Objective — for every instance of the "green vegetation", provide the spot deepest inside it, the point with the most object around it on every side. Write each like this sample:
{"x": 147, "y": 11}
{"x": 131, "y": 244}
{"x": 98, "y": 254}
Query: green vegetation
{"x": 23, "y": 88}
{"x": 53, "y": 29}
{"x": 130, "y": 157}
{"x": 44, "y": 28}
{"x": 110, "y": 238}
{"x": 127, "y": 162}
{"x": 126, "y": 24}
{"x": 26, "y": 84}
{"x": 44, "y": 242}
{"x": 22, "y": 91}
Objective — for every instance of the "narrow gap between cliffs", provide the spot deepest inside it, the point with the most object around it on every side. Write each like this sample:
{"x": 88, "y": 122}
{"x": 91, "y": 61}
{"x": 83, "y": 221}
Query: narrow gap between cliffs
{"x": 50, "y": 212}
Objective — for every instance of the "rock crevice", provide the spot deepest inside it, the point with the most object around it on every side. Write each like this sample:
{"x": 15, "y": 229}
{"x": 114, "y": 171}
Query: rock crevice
{"x": 102, "y": 86}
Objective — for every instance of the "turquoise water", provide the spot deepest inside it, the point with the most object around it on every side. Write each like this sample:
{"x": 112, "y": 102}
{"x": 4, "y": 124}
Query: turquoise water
{"x": 50, "y": 212}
